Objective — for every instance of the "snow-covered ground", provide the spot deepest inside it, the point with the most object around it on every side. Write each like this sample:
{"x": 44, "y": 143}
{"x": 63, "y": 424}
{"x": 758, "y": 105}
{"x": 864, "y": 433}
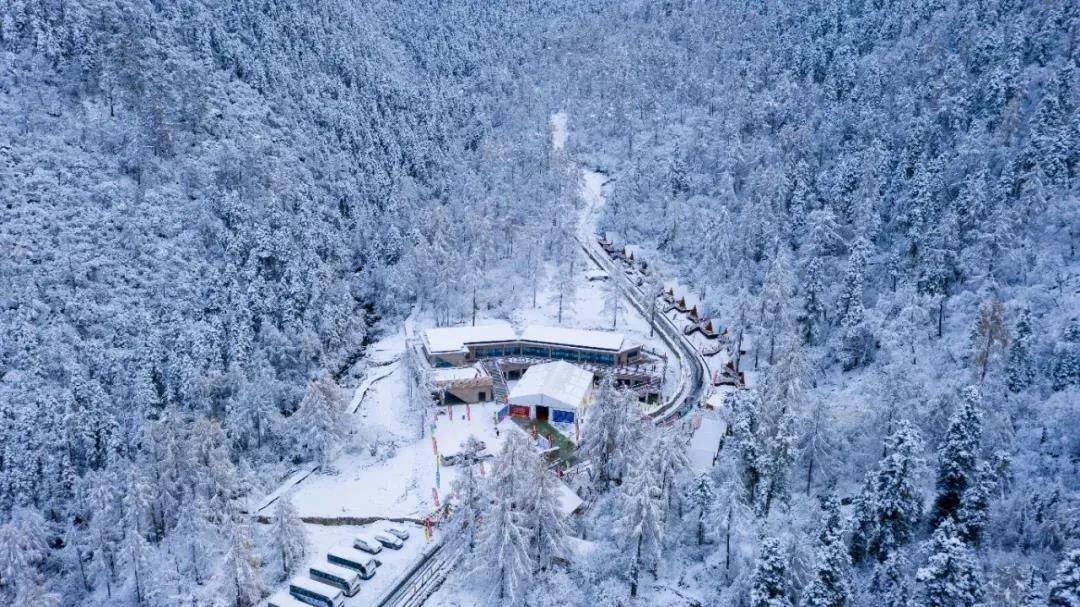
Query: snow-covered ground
{"x": 394, "y": 562}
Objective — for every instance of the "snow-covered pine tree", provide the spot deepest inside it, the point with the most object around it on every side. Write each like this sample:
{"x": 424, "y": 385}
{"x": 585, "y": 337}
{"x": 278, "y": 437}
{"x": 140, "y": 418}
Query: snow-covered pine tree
{"x": 1065, "y": 359}
{"x": 1065, "y": 587}
{"x": 888, "y": 585}
{"x": 241, "y": 575}
{"x": 640, "y": 522}
{"x": 192, "y": 540}
{"x": 511, "y": 468}
{"x": 668, "y": 452}
{"x": 502, "y": 554}
{"x": 609, "y": 432}
{"x": 830, "y": 585}
{"x": 1020, "y": 368}
{"x": 546, "y": 523}
{"x": 768, "y": 582}
{"x": 958, "y": 455}
{"x": 974, "y": 513}
{"x": 469, "y": 499}
{"x": 701, "y": 497}
{"x": 288, "y": 539}
{"x": 889, "y": 506}
{"x": 321, "y": 422}
{"x": 950, "y": 577}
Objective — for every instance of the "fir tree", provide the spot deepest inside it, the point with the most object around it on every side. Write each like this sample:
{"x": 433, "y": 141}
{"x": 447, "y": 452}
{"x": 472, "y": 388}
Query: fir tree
{"x": 469, "y": 499}
{"x": 974, "y": 513}
{"x": 288, "y": 540}
{"x": 641, "y": 522}
{"x": 700, "y": 495}
{"x": 548, "y": 524}
{"x": 957, "y": 455}
{"x": 950, "y": 577}
{"x": 888, "y": 587}
{"x": 502, "y": 553}
{"x": 1065, "y": 587}
{"x": 768, "y": 582}
{"x": 1020, "y": 370}
{"x": 241, "y": 575}
{"x": 831, "y": 583}
{"x": 889, "y": 506}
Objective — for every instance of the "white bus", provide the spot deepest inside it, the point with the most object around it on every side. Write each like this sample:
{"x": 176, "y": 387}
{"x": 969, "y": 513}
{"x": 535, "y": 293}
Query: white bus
{"x": 353, "y": 559}
{"x": 316, "y": 594}
{"x": 284, "y": 599}
{"x": 338, "y": 576}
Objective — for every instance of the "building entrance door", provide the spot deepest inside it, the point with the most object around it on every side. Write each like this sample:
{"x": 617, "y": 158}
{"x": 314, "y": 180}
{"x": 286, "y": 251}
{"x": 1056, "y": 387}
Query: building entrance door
{"x": 541, "y": 413}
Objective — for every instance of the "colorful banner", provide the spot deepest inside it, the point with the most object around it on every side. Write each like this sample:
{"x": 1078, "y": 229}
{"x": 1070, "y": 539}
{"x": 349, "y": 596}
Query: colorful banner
{"x": 438, "y": 474}
{"x": 468, "y": 412}
{"x": 427, "y": 527}
{"x": 434, "y": 445}
{"x": 435, "y": 496}
{"x": 450, "y": 411}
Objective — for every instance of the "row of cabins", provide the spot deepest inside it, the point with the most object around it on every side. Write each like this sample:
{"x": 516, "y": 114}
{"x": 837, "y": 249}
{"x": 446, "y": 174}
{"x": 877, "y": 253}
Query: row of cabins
{"x": 677, "y": 296}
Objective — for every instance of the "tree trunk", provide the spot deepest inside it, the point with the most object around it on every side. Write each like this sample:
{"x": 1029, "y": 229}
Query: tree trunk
{"x": 809, "y": 473}
{"x": 634, "y": 571}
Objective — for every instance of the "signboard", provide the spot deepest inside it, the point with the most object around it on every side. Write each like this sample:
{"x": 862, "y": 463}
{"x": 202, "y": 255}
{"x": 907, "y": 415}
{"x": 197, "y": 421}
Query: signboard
{"x": 519, "y": 410}
{"x": 501, "y": 415}
{"x": 560, "y": 416}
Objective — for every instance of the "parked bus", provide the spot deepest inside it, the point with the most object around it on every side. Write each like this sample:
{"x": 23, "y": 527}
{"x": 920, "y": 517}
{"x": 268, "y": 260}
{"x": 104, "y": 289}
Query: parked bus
{"x": 316, "y": 594}
{"x": 353, "y": 559}
{"x": 336, "y": 575}
{"x": 284, "y": 599}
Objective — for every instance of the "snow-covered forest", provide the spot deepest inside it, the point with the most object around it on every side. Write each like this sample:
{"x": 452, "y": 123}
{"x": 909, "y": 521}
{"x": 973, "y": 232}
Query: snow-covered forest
{"x": 210, "y": 210}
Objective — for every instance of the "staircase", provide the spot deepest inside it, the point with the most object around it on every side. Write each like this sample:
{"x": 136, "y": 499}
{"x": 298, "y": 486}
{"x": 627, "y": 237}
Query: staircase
{"x": 498, "y": 380}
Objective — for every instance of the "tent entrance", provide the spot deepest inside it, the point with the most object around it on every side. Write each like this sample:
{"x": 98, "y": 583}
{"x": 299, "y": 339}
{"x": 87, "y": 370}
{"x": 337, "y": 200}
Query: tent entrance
{"x": 542, "y": 413}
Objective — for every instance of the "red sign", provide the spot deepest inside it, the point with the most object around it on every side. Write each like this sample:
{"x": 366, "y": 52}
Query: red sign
{"x": 519, "y": 410}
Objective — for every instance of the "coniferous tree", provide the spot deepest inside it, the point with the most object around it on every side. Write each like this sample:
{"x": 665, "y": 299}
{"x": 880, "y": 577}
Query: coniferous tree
{"x": 1065, "y": 587}
{"x": 950, "y": 577}
{"x": 831, "y": 582}
{"x": 1020, "y": 370}
{"x": 888, "y": 586}
{"x": 641, "y": 522}
{"x": 889, "y": 506}
{"x": 469, "y": 498}
{"x": 502, "y": 553}
{"x": 958, "y": 455}
{"x": 288, "y": 540}
{"x": 974, "y": 513}
{"x": 768, "y": 582}
{"x": 546, "y": 522}
{"x": 701, "y": 497}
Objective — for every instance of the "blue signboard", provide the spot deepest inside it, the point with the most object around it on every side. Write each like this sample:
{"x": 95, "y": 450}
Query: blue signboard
{"x": 560, "y": 416}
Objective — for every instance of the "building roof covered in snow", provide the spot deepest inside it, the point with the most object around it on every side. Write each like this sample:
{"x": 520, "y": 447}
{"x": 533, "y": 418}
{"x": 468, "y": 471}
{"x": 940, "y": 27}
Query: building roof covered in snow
{"x": 454, "y": 339}
{"x": 556, "y": 384}
{"x": 575, "y": 338}
{"x": 456, "y": 374}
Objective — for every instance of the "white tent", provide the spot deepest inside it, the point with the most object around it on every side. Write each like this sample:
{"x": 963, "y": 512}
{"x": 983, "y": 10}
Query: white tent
{"x": 560, "y": 387}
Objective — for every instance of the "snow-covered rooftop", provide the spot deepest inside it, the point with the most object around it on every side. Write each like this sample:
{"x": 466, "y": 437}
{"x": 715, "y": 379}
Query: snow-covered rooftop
{"x": 581, "y": 338}
{"x": 450, "y": 374}
{"x": 558, "y": 384}
{"x": 454, "y": 339}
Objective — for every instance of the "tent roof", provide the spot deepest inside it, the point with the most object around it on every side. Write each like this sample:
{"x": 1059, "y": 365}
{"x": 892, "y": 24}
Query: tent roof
{"x": 558, "y": 384}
